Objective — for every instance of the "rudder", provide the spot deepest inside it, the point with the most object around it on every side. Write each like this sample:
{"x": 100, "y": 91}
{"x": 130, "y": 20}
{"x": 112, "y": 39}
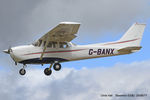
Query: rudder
{"x": 134, "y": 35}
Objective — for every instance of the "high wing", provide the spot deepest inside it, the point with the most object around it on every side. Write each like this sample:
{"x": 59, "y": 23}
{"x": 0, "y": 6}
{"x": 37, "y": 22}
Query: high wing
{"x": 64, "y": 32}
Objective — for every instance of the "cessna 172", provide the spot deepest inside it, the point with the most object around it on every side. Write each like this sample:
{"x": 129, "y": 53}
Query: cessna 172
{"x": 55, "y": 47}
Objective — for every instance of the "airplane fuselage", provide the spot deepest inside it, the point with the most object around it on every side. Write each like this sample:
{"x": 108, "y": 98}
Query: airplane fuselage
{"x": 55, "y": 47}
{"x": 30, "y": 54}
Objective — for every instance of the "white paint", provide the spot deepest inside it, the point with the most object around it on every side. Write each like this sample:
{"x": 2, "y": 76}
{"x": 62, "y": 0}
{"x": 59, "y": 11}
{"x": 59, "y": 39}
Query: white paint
{"x": 79, "y": 52}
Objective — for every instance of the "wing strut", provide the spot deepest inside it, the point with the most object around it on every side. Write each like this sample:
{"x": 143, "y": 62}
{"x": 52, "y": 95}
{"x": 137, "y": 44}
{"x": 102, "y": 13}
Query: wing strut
{"x": 47, "y": 38}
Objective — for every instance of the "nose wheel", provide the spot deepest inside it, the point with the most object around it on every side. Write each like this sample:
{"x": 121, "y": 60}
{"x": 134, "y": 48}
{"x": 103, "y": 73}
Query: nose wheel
{"x": 22, "y": 71}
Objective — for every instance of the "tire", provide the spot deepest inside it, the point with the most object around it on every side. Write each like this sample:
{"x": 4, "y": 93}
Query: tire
{"x": 57, "y": 67}
{"x": 47, "y": 71}
{"x": 22, "y": 71}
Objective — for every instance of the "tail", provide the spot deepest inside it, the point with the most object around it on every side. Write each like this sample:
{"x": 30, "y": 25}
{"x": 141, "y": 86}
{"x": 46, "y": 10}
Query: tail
{"x": 130, "y": 41}
{"x": 133, "y": 37}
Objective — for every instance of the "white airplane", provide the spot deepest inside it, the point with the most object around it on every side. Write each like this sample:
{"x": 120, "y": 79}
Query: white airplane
{"x": 55, "y": 47}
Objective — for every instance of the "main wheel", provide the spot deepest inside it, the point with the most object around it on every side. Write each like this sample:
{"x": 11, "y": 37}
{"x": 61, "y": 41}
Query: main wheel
{"x": 57, "y": 66}
{"x": 47, "y": 71}
{"x": 22, "y": 71}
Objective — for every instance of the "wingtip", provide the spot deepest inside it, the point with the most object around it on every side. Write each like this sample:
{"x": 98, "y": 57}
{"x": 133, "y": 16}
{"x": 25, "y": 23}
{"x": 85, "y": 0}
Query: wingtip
{"x": 140, "y": 23}
{"x": 69, "y": 23}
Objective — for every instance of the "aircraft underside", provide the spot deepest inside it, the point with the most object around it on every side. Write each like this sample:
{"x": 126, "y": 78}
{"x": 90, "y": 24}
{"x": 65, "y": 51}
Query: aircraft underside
{"x": 47, "y": 60}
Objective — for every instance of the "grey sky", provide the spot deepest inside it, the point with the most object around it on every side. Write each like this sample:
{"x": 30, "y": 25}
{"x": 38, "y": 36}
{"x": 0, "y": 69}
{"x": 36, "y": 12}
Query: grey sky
{"x": 23, "y": 21}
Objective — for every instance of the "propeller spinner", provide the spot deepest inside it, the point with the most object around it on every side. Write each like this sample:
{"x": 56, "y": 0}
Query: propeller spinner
{"x": 8, "y": 50}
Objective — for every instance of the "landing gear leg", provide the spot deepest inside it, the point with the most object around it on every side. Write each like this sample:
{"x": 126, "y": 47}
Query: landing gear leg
{"x": 22, "y": 71}
{"x": 48, "y": 71}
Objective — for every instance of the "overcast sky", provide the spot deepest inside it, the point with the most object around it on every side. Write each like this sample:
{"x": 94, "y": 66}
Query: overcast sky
{"x": 23, "y": 21}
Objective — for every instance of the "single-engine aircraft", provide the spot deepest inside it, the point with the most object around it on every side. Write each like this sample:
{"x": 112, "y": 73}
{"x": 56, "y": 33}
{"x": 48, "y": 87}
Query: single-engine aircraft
{"x": 55, "y": 47}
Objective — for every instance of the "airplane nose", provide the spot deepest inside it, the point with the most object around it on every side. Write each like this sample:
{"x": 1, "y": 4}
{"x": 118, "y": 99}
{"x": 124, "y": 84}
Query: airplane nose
{"x": 6, "y": 51}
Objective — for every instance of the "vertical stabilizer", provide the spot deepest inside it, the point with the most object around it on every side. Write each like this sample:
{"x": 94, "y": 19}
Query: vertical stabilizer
{"x": 134, "y": 35}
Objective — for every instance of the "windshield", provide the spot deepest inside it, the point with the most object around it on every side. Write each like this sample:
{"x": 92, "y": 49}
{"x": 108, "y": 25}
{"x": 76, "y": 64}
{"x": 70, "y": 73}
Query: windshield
{"x": 37, "y": 43}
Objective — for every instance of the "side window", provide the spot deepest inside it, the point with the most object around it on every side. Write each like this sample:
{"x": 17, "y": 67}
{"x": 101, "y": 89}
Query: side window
{"x": 54, "y": 44}
{"x": 44, "y": 43}
{"x": 63, "y": 45}
{"x": 49, "y": 45}
{"x": 60, "y": 44}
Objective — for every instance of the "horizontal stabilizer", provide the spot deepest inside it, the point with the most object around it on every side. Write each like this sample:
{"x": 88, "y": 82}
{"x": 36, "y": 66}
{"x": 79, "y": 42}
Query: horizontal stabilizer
{"x": 129, "y": 49}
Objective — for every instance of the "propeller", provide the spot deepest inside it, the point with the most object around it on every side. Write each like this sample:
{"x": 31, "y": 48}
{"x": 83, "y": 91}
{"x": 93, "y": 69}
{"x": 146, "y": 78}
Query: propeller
{"x": 8, "y": 50}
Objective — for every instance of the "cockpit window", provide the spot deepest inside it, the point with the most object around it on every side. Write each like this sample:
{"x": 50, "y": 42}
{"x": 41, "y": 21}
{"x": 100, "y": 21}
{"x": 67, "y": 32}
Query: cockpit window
{"x": 49, "y": 45}
{"x": 63, "y": 45}
{"x": 35, "y": 43}
{"x": 54, "y": 44}
{"x": 44, "y": 43}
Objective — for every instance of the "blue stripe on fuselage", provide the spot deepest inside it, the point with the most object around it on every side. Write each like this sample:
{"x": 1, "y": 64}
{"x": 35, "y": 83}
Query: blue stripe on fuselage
{"x": 43, "y": 61}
